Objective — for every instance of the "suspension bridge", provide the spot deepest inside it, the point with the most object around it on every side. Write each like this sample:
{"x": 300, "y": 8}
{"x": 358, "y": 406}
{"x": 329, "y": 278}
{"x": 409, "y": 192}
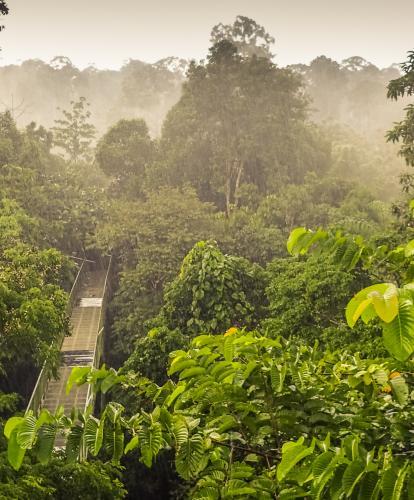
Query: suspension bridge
{"x": 84, "y": 347}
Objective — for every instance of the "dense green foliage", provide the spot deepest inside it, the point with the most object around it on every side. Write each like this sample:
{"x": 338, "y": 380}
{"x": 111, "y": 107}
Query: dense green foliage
{"x": 57, "y": 480}
{"x": 124, "y": 153}
{"x": 213, "y": 292}
{"x": 251, "y": 415}
{"x": 32, "y": 302}
{"x": 306, "y": 302}
{"x": 242, "y": 397}
{"x": 238, "y": 122}
{"x": 64, "y": 199}
{"x": 150, "y": 237}
{"x": 245, "y": 368}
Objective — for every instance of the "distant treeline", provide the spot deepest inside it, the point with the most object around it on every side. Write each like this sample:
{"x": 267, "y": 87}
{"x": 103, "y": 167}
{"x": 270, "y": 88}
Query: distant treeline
{"x": 35, "y": 90}
{"x": 352, "y": 92}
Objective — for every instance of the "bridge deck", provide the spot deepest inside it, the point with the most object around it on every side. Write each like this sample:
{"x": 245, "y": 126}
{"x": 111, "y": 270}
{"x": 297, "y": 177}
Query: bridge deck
{"x": 78, "y": 349}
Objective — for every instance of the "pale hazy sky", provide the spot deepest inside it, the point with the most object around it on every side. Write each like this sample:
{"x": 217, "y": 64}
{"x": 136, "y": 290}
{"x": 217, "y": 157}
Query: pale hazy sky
{"x": 107, "y": 32}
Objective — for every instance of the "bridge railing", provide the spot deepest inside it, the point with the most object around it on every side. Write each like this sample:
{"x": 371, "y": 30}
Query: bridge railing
{"x": 99, "y": 345}
{"x": 46, "y": 371}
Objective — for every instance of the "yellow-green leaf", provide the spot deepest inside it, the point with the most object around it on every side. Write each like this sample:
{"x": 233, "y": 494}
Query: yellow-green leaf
{"x": 360, "y": 309}
{"x": 15, "y": 453}
{"x": 386, "y": 305}
{"x": 362, "y": 304}
{"x": 409, "y": 249}
{"x": 294, "y": 238}
{"x": 11, "y": 424}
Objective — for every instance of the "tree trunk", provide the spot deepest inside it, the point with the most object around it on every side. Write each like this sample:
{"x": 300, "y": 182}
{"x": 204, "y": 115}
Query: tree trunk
{"x": 237, "y": 184}
{"x": 228, "y": 188}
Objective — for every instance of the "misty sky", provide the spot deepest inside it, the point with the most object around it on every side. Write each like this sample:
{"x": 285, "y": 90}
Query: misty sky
{"x": 107, "y": 32}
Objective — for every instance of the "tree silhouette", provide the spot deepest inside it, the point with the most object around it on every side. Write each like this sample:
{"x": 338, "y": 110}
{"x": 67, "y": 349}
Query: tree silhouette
{"x": 3, "y": 8}
{"x": 73, "y": 133}
{"x": 249, "y": 37}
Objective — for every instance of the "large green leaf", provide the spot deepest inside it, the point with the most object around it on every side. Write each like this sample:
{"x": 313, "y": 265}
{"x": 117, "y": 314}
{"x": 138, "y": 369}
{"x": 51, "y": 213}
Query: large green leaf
{"x": 400, "y": 389}
{"x": 292, "y": 453}
{"x": 182, "y": 364}
{"x": 73, "y": 443}
{"x": 293, "y": 493}
{"x": 109, "y": 381}
{"x": 174, "y": 395}
{"x": 228, "y": 349}
{"x": 409, "y": 249}
{"x": 78, "y": 376}
{"x": 11, "y": 424}
{"x": 293, "y": 239}
{"x": 321, "y": 463}
{"x": 133, "y": 443}
{"x": 113, "y": 411}
{"x": 277, "y": 376}
{"x": 192, "y": 372}
{"x": 393, "y": 482}
{"x": 386, "y": 305}
{"x": 118, "y": 440}
{"x": 399, "y": 334}
{"x": 93, "y": 434}
{"x": 380, "y": 300}
{"x": 369, "y": 485}
{"x": 150, "y": 442}
{"x": 15, "y": 453}
{"x": 207, "y": 493}
{"x": 27, "y": 432}
{"x": 301, "y": 240}
{"x": 237, "y": 488}
{"x": 114, "y": 441}
{"x": 188, "y": 459}
{"x": 180, "y": 431}
{"x": 352, "y": 475}
{"x": 323, "y": 469}
{"x": 45, "y": 442}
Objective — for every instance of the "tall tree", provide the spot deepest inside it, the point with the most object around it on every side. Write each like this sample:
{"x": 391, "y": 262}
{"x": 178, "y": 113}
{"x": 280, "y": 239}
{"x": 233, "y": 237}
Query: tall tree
{"x": 249, "y": 37}
{"x": 403, "y": 131}
{"x": 74, "y": 133}
{"x": 10, "y": 139}
{"x": 356, "y": 63}
{"x": 124, "y": 152}
{"x": 326, "y": 83}
{"x": 239, "y": 121}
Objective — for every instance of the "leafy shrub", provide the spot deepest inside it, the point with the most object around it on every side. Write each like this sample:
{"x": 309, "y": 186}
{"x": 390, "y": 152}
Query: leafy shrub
{"x": 213, "y": 292}
{"x": 307, "y": 299}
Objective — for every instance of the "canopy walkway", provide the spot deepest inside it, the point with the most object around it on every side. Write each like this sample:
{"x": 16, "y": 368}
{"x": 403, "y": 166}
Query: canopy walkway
{"x": 83, "y": 347}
